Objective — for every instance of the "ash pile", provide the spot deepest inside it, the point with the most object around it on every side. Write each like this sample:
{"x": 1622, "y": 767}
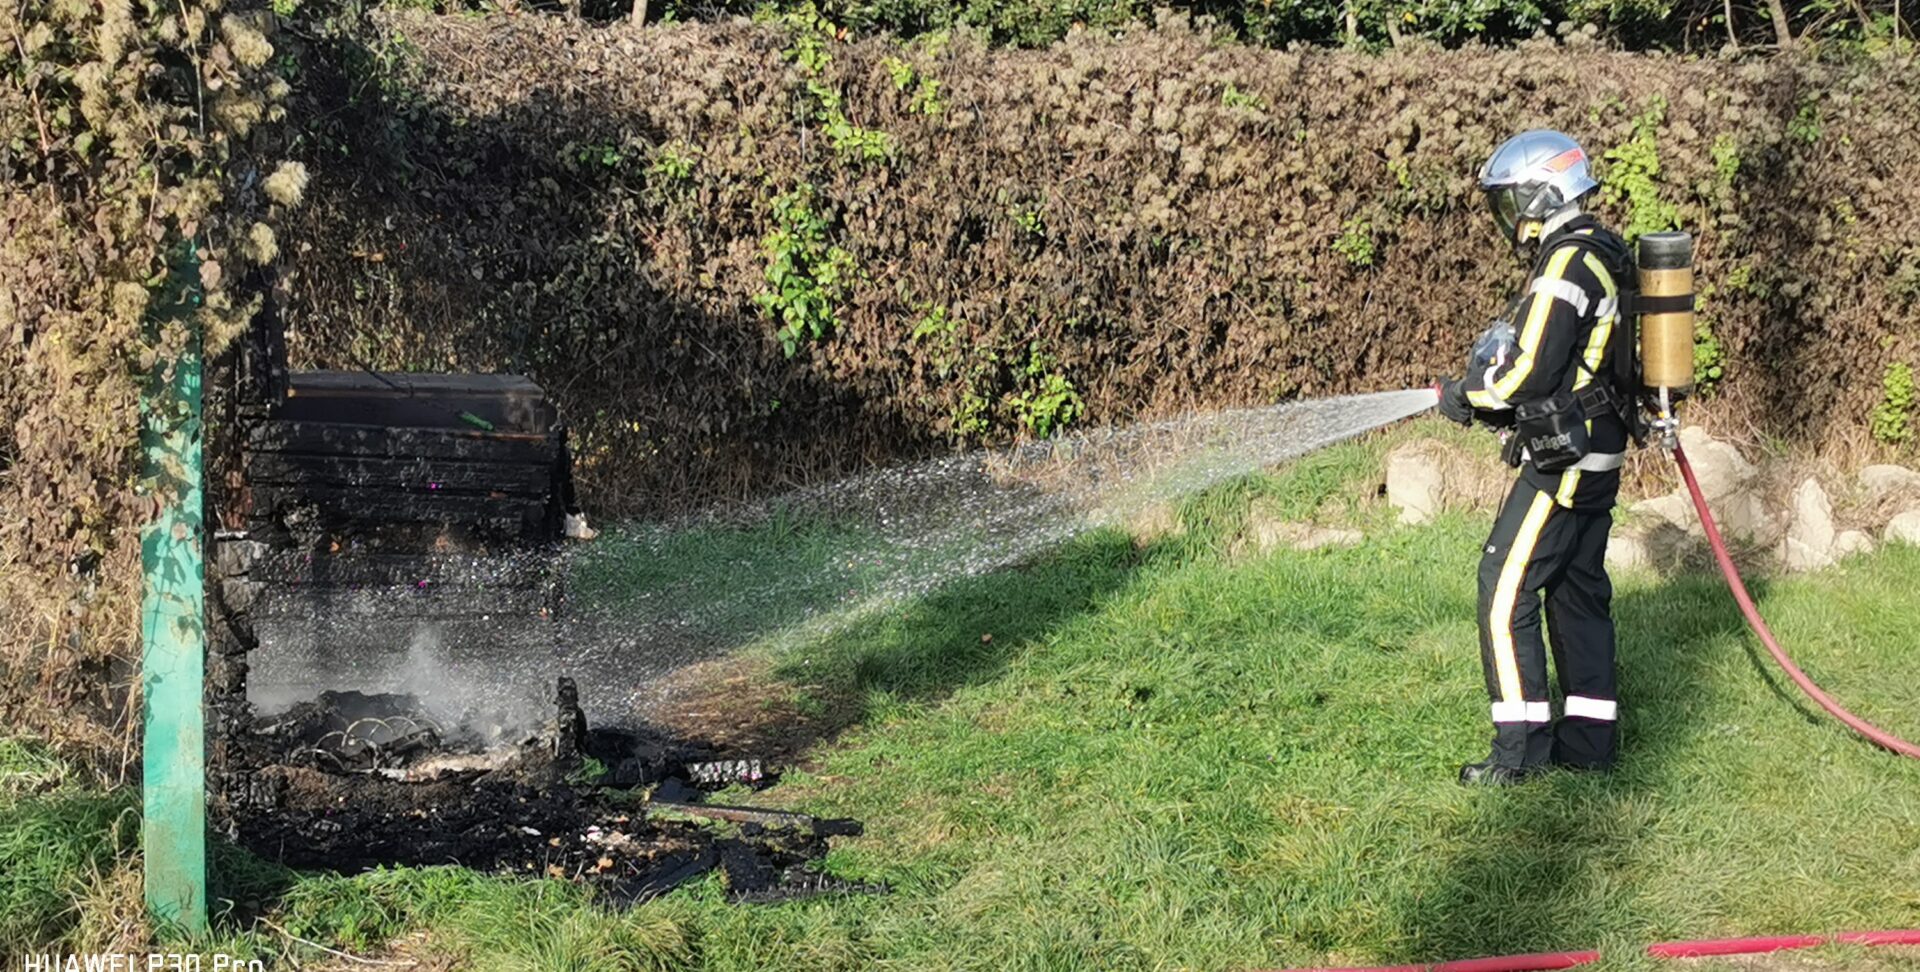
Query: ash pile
{"x": 351, "y": 781}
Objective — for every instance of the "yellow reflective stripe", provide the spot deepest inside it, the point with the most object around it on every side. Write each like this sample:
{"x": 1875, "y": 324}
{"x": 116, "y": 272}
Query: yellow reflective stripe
{"x": 1602, "y": 328}
{"x": 1507, "y": 590}
{"x": 1593, "y": 356}
{"x": 1536, "y": 326}
{"x": 1480, "y": 398}
{"x": 1600, "y": 270}
{"x": 1569, "y": 481}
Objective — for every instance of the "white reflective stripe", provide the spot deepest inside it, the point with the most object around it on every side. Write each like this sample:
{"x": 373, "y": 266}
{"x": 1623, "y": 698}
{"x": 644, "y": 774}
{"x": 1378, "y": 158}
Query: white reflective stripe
{"x": 1487, "y": 379}
{"x": 1607, "y": 307}
{"x": 1565, "y": 290}
{"x": 1592, "y": 462}
{"x": 1582, "y": 707}
{"x": 1521, "y": 711}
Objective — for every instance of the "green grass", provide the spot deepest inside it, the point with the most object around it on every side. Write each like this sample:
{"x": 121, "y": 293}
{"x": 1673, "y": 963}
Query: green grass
{"x": 1182, "y": 757}
{"x": 55, "y": 844}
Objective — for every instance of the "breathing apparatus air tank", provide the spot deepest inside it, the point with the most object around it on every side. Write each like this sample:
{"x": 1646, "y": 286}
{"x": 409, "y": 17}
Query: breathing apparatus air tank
{"x": 1665, "y": 265}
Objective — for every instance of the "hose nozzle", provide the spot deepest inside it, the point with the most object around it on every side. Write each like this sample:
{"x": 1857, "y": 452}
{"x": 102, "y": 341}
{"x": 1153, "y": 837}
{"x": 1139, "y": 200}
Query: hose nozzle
{"x": 1665, "y": 431}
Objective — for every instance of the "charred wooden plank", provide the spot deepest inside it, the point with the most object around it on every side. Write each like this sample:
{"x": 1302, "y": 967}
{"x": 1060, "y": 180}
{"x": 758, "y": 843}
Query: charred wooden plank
{"x": 497, "y": 511}
{"x": 417, "y": 472}
{"x": 342, "y": 608}
{"x": 401, "y": 383}
{"x": 378, "y": 568}
{"x": 511, "y": 403}
{"x": 372, "y": 645}
{"x": 341, "y": 605}
{"x": 763, "y": 818}
{"x": 439, "y": 412}
{"x": 329, "y": 438}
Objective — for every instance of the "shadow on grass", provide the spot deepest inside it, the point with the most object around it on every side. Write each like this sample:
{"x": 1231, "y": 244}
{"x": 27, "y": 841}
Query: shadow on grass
{"x": 241, "y": 885}
{"x": 964, "y": 634}
{"x": 1550, "y": 866}
{"x": 967, "y": 632}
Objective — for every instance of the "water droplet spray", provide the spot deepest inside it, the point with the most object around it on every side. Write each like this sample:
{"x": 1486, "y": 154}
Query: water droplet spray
{"x": 648, "y": 599}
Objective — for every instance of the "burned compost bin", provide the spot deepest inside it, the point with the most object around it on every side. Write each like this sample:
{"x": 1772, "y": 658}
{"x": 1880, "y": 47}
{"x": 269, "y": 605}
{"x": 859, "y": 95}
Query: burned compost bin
{"x": 386, "y": 540}
{"x": 396, "y": 533}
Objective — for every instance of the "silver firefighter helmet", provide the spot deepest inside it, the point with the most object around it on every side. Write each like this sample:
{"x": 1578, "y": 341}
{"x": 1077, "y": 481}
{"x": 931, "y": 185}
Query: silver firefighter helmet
{"x": 1532, "y": 176}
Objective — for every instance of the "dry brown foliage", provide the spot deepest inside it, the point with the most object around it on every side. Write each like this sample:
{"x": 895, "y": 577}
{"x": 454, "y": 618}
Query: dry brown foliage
{"x": 107, "y": 164}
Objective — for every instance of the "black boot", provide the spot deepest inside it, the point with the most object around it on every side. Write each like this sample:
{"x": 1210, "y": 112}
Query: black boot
{"x": 1489, "y": 773}
{"x": 1520, "y": 750}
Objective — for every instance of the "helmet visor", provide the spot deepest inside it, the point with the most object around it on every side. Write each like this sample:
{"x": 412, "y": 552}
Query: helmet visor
{"x": 1505, "y": 204}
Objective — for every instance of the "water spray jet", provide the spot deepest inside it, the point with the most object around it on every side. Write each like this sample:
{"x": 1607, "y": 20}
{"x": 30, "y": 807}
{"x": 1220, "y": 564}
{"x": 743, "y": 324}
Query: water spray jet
{"x": 650, "y": 599}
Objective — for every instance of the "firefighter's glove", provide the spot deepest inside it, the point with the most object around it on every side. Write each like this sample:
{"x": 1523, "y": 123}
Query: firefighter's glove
{"x": 1453, "y": 402}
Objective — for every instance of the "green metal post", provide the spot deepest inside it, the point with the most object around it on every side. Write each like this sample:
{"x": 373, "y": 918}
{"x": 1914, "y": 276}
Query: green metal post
{"x": 173, "y": 633}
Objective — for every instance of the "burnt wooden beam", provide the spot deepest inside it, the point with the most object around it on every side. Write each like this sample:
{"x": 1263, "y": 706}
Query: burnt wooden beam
{"x": 375, "y": 506}
{"x": 339, "y": 605}
{"x": 417, "y": 472}
{"x": 511, "y": 403}
{"x": 375, "y": 568}
{"x": 754, "y": 815}
{"x": 348, "y": 439}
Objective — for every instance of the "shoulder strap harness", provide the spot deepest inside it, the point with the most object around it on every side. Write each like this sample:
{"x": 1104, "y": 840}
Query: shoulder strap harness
{"x": 1624, "y": 344}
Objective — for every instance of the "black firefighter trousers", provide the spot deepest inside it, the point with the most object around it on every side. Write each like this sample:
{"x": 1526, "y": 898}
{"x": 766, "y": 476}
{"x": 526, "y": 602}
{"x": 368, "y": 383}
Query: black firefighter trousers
{"x": 1539, "y": 545}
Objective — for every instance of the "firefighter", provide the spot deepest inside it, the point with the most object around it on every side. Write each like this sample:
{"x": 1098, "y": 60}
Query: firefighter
{"x": 1550, "y": 375}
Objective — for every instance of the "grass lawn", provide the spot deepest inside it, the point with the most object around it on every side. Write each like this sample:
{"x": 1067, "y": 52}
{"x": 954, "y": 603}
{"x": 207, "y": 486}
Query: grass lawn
{"x": 1185, "y": 755}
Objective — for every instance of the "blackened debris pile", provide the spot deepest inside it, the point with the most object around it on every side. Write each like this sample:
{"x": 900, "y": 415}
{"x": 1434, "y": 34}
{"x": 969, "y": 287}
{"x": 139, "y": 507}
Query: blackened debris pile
{"x": 352, "y": 781}
{"x": 353, "y": 731}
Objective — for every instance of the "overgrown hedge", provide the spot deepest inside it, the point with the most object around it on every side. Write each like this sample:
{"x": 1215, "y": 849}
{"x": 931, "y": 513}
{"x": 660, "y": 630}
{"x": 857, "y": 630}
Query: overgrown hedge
{"x": 965, "y": 244}
{"x": 127, "y": 186}
{"x": 747, "y": 256}
{"x": 1671, "y": 25}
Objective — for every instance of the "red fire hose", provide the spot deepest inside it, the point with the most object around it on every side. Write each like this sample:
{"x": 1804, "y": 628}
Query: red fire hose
{"x": 1879, "y": 737}
{"x": 1537, "y": 962}
{"x": 1778, "y": 943}
{"x": 1758, "y": 945}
